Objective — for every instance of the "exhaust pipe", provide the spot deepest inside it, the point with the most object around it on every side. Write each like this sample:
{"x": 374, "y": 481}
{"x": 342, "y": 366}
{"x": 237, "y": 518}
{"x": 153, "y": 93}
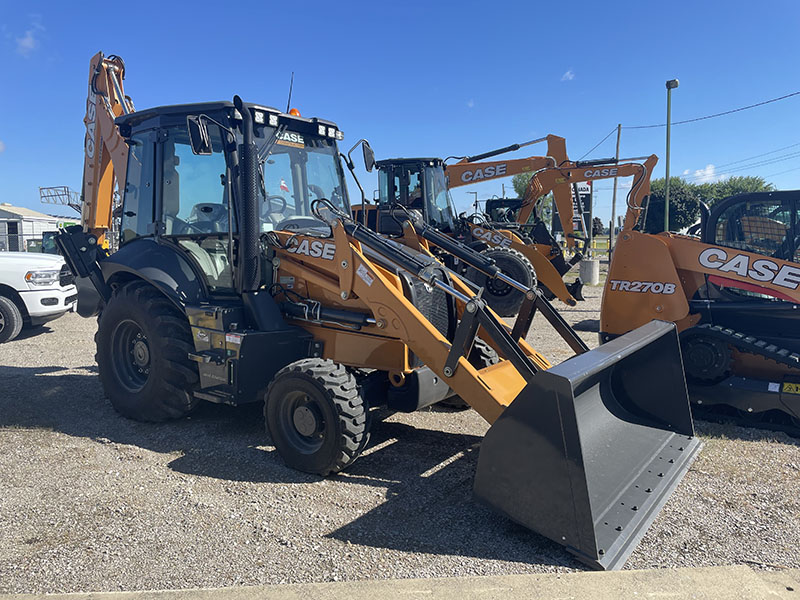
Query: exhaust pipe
{"x": 250, "y": 276}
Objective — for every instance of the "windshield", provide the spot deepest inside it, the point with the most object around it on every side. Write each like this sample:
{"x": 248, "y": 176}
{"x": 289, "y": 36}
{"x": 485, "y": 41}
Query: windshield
{"x": 298, "y": 170}
{"x": 440, "y": 204}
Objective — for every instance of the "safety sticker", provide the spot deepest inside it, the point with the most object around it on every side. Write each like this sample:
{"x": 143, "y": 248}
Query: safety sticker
{"x": 773, "y": 387}
{"x": 287, "y": 282}
{"x": 791, "y": 388}
{"x": 232, "y": 338}
{"x": 364, "y": 274}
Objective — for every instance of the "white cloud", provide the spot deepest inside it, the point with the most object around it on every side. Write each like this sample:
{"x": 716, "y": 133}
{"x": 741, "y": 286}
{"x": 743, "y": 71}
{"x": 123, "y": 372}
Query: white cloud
{"x": 706, "y": 175}
{"x": 568, "y": 76}
{"x": 2, "y": 147}
{"x": 470, "y": 103}
{"x": 686, "y": 172}
{"x": 30, "y": 42}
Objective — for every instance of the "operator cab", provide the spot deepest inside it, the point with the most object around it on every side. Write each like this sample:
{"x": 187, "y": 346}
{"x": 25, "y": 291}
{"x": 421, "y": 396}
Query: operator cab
{"x": 178, "y": 195}
{"x": 417, "y": 184}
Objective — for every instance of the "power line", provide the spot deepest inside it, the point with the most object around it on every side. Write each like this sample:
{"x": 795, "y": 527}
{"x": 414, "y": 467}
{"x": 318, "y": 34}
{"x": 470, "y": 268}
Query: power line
{"x": 755, "y": 165}
{"x": 598, "y": 143}
{"x": 758, "y": 155}
{"x": 727, "y": 112}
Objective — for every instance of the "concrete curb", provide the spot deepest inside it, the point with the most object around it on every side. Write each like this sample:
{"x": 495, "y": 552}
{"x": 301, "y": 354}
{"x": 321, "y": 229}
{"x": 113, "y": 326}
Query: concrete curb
{"x": 717, "y": 583}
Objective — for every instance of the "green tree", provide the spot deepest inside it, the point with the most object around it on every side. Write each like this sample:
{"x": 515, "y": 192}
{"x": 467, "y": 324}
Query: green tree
{"x": 683, "y": 207}
{"x": 520, "y": 182}
{"x": 747, "y": 184}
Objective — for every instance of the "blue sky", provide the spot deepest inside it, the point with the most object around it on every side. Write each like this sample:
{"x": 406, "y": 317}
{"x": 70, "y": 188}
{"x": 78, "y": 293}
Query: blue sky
{"x": 419, "y": 78}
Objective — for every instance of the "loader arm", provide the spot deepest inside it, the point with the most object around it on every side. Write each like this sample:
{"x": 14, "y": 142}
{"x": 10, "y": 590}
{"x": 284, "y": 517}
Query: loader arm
{"x": 629, "y": 443}
{"x": 105, "y": 150}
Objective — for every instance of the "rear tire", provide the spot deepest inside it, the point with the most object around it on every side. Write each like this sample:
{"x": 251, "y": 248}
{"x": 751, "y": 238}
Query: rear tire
{"x": 316, "y": 416}
{"x": 10, "y": 320}
{"x": 504, "y": 299}
{"x": 143, "y": 345}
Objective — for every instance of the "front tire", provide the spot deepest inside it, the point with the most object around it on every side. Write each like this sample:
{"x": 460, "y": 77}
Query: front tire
{"x": 143, "y": 346}
{"x": 316, "y": 416}
{"x": 10, "y": 320}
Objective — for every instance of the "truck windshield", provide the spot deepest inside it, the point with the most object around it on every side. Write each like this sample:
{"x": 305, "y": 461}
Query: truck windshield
{"x": 298, "y": 170}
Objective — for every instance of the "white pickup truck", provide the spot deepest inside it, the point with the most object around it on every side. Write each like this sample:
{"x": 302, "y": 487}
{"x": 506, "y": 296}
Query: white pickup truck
{"x": 34, "y": 289}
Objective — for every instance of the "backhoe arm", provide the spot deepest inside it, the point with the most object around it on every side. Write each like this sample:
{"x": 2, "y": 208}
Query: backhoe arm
{"x": 559, "y": 180}
{"x": 472, "y": 169}
{"x": 105, "y": 150}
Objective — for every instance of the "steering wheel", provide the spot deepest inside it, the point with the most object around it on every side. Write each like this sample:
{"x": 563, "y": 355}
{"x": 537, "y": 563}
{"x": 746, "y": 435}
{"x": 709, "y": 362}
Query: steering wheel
{"x": 266, "y": 210}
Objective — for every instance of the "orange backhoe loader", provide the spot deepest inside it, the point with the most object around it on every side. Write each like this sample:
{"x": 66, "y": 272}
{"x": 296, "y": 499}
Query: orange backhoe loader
{"x": 242, "y": 277}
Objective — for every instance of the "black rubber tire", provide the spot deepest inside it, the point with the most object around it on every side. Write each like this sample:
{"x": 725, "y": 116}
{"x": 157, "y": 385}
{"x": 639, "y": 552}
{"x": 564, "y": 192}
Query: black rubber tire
{"x": 316, "y": 416}
{"x": 705, "y": 359}
{"x": 481, "y": 356}
{"x": 143, "y": 345}
{"x": 503, "y": 299}
{"x": 10, "y": 320}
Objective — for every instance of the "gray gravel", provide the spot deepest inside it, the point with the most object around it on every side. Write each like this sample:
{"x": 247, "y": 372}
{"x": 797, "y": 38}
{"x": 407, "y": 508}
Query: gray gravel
{"x": 92, "y": 501}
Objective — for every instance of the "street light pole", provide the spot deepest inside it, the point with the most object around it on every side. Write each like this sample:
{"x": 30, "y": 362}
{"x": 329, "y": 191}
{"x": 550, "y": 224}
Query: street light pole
{"x": 671, "y": 84}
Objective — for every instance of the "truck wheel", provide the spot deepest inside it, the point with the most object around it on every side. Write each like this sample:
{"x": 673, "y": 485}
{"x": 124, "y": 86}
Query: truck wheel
{"x": 316, "y": 416}
{"x": 504, "y": 299}
{"x": 482, "y": 355}
{"x": 143, "y": 345}
{"x": 10, "y": 320}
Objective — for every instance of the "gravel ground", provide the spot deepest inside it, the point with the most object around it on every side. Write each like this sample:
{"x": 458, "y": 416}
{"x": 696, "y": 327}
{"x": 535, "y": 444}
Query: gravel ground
{"x": 92, "y": 501}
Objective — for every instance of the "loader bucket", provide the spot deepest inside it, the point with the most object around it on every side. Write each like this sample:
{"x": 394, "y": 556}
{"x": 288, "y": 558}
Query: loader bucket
{"x": 591, "y": 449}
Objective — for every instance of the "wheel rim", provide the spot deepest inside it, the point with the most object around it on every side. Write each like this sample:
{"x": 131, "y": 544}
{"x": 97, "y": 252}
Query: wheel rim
{"x": 302, "y": 421}
{"x": 130, "y": 355}
{"x": 2, "y": 322}
{"x": 498, "y": 288}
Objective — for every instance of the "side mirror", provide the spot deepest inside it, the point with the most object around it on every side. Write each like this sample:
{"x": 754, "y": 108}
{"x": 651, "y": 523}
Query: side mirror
{"x": 369, "y": 156}
{"x": 198, "y": 135}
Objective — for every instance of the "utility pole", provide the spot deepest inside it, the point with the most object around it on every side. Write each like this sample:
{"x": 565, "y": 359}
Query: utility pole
{"x": 611, "y": 235}
{"x": 671, "y": 84}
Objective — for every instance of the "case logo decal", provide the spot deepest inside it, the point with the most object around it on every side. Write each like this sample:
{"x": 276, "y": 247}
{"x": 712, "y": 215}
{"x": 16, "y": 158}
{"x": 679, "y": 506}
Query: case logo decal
{"x": 761, "y": 270}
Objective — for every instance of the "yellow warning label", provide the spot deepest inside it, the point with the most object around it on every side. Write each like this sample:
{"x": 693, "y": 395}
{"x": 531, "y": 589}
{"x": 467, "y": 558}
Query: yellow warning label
{"x": 791, "y": 388}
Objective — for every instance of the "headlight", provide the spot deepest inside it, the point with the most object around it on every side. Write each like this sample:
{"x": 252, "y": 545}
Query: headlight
{"x": 42, "y": 277}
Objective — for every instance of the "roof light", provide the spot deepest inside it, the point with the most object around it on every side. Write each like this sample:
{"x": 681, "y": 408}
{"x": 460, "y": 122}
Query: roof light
{"x": 339, "y": 135}
{"x": 273, "y": 120}
{"x": 259, "y": 117}
{"x": 294, "y": 112}
{"x": 331, "y": 132}
{"x": 321, "y": 129}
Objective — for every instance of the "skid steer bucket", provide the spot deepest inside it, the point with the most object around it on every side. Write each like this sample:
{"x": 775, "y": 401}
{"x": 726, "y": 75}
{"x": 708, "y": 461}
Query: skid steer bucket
{"x": 591, "y": 449}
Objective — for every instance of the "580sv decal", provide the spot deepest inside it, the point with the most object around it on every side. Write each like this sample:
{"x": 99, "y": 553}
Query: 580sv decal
{"x": 654, "y": 287}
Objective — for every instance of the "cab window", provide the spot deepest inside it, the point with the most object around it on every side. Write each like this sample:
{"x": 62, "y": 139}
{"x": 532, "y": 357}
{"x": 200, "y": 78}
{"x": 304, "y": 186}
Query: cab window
{"x": 195, "y": 205}
{"x": 193, "y": 196}
{"x": 137, "y": 206}
{"x": 760, "y": 227}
